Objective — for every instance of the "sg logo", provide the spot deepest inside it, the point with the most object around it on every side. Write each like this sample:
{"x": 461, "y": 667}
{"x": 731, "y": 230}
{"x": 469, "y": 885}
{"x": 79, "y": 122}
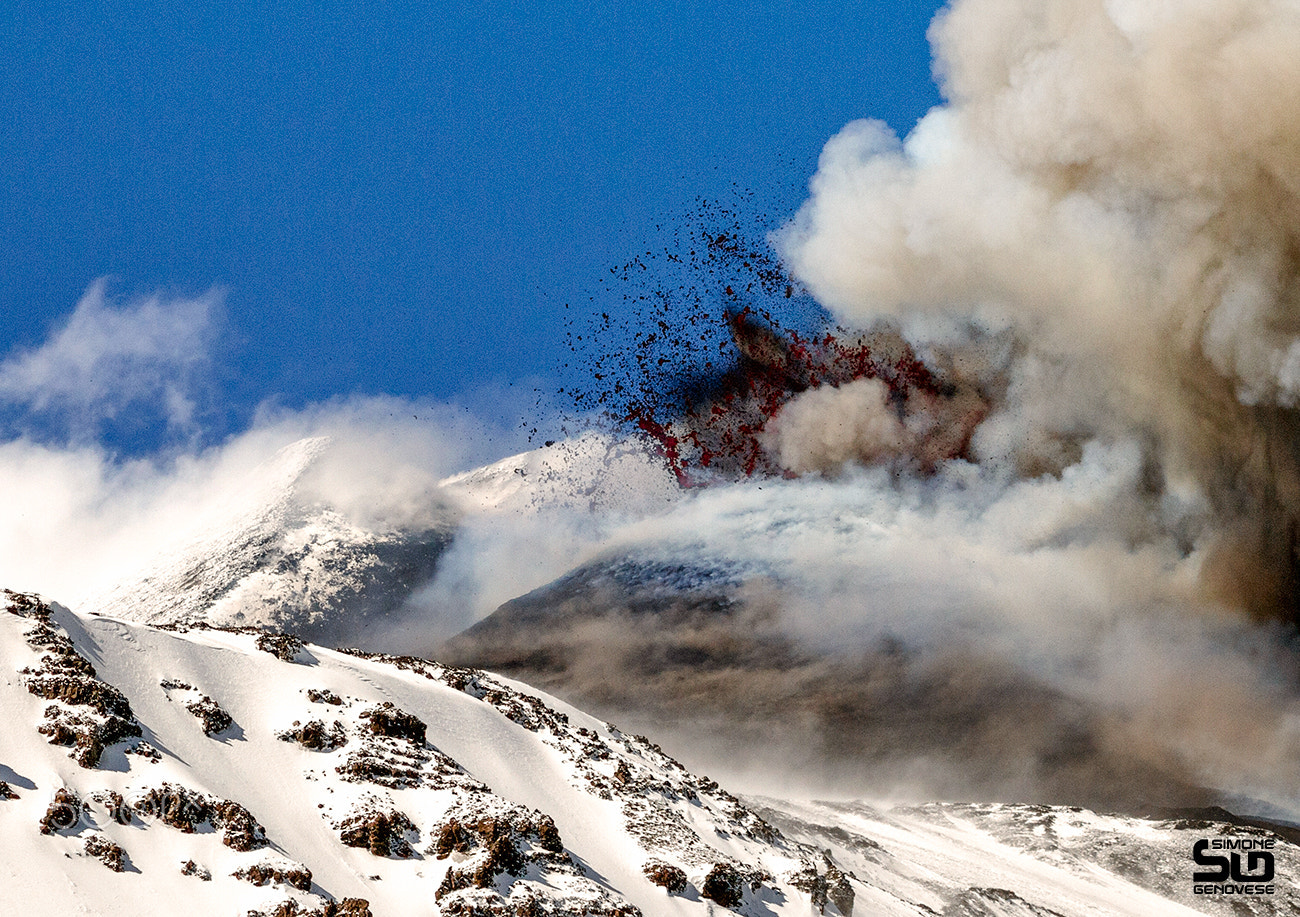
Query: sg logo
{"x": 1225, "y": 867}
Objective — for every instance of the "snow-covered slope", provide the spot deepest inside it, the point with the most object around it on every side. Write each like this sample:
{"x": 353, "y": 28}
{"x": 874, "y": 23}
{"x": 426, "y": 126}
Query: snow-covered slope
{"x": 271, "y": 550}
{"x": 228, "y": 772}
{"x": 267, "y": 555}
{"x": 591, "y": 471}
{"x": 462, "y": 791}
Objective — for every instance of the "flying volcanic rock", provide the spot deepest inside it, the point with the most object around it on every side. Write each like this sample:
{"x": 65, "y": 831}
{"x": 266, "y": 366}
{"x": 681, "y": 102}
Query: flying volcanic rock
{"x": 352, "y": 784}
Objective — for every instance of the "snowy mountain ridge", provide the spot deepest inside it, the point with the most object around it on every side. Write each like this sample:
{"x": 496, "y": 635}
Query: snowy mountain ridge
{"x": 244, "y": 772}
{"x": 270, "y": 556}
{"x": 270, "y": 553}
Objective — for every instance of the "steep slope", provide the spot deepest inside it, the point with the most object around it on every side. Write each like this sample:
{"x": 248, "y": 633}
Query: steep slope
{"x": 271, "y": 556}
{"x": 240, "y": 772}
{"x": 462, "y": 794}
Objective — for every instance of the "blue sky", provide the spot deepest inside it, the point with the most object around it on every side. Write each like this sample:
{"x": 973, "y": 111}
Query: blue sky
{"x": 397, "y": 198}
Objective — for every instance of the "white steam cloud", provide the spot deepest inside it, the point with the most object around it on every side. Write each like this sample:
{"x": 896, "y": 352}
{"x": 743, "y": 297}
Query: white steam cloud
{"x": 78, "y": 521}
{"x": 149, "y": 353}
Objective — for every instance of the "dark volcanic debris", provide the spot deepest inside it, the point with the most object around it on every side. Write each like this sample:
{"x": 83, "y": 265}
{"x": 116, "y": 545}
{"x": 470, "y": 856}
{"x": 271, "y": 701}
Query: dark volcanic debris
{"x": 191, "y": 868}
{"x": 115, "y": 805}
{"x": 210, "y": 714}
{"x": 294, "y": 875}
{"x": 494, "y": 845}
{"x": 314, "y": 734}
{"x": 282, "y": 646}
{"x": 830, "y": 886}
{"x": 107, "y": 852}
{"x": 387, "y": 720}
{"x": 348, "y": 907}
{"x": 384, "y": 832}
{"x": 666, "y": 875}
{"x": 64, "y": 812}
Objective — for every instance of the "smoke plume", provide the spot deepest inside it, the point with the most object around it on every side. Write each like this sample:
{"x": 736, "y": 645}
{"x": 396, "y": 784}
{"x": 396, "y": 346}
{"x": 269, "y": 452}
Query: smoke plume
{"x": 1117, "y": 183}
{"x": 1071, "y": 573}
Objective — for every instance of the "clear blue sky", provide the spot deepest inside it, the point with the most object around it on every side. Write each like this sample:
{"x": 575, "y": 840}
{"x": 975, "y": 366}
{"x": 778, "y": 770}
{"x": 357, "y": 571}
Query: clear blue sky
{"x": 400, "y": 197}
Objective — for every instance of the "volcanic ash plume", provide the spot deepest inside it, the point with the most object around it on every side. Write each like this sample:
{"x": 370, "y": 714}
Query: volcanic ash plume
{"x": 1117, "y": 182}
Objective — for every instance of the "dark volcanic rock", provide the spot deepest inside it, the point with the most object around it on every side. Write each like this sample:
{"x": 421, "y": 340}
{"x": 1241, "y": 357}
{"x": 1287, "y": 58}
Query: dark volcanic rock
{"x": 190, "y": 868}
{"x": 282, "y": 646}
{"x": 215, "y": 720}
{"x": 186, "y": 809}
{"x": 316, "y": 736}
{"x": 64, "y": 812}
{"x": 296, "y": 876}
{"x": 723, "y": 884}
{"x": 67, "y": 677}
{"x": 387, "y": 720}
{"x": 107, "y": 852}
{"x": 666, "y": 876}
{"x": 384, "y": 834}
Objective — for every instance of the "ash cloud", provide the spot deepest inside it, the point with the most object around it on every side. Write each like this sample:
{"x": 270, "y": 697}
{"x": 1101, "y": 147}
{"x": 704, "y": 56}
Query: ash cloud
{"x": 1118, "y": 183}
{"x": 952, "y": 635}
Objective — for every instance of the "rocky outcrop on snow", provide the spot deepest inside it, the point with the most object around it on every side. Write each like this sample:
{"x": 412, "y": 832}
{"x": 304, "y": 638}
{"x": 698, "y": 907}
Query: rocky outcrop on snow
{"x": 359, "y": 784}
{"x": 357, "y": 745}
{"x": 87, "y": 713}
{"x": 203, "y": 708}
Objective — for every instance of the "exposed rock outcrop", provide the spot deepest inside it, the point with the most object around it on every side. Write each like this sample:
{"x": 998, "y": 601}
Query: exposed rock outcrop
{"x": 107, "y": 852}
{"x": 385, "y": 833}
{"x": 294, "y": 875}
{"x": 88, "y": 714}
{"x": 185, "y": 810}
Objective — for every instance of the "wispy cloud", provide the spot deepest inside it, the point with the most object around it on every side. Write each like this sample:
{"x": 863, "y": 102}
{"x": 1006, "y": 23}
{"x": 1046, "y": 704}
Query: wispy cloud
{"x": 145, "y": 355}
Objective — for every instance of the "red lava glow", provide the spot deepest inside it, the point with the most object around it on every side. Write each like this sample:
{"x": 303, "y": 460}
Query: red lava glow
{"x": 706, "y": 366}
